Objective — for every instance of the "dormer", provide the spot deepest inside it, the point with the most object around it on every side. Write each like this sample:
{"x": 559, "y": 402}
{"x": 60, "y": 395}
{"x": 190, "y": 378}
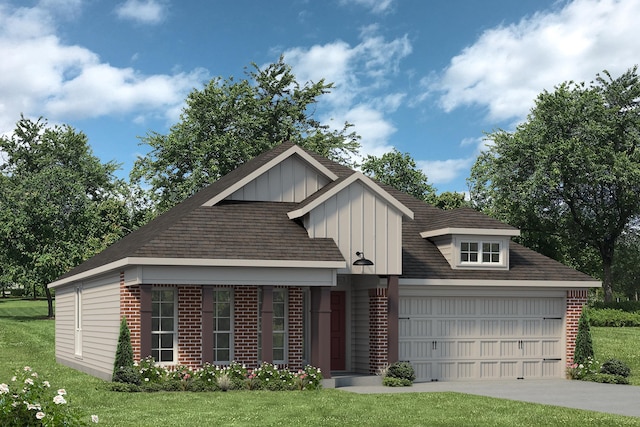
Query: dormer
{"x": 470, "y": 240}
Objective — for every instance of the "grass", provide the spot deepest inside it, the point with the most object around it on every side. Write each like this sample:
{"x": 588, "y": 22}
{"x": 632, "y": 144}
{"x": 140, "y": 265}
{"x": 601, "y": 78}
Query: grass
{"x": 26, "y": 338}
{"x": 618, "y": 343}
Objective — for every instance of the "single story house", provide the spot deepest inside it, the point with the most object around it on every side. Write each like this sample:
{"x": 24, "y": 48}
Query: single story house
{"x": 294, "y": 259}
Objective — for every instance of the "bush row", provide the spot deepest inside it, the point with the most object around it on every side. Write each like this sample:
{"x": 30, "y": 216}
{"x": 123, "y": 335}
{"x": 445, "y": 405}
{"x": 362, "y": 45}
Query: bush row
{"x": 613, "y": 371}
{"x": 148, "y": 376}
{"x": 629, "y": 306}
{"x": 398, "y": 374}
{"x": 613, "y": 317}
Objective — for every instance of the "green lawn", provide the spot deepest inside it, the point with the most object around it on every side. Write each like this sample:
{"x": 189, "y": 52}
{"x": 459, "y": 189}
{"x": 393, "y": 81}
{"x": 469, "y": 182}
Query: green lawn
{"x": 26, "y": 338}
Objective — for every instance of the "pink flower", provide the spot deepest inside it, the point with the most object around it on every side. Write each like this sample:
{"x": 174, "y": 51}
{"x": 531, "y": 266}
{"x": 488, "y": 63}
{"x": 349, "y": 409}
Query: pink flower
{"x": 4, "y": 388}
{"x": 28, "y": 381}
{"x": 62, "y": 392}
{"x": 94, "y": 419}
{"x": 59, "y": 400}
{"x": 40, "y": 415}
{"x": 27, "y": 369}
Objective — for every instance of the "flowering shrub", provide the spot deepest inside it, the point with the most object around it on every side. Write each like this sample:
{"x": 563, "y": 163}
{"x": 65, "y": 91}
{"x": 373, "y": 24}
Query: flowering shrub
{"x": 211, "y": 377}
{"x": 27, "y": 400}
{"x": 579, "y": 371}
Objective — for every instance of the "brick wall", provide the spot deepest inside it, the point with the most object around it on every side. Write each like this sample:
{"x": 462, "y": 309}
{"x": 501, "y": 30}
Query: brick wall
{"x": 296, "y": 328}
{"x": 377, "y": 329}
{"x": 576, "y": 299}
{"x": 190, "y": 325}
{"x": 130, "y": 308}
{"x": 245, "y": 326}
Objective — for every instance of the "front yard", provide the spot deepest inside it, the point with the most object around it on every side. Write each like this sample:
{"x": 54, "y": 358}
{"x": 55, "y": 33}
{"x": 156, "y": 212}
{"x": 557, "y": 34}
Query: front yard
{"x": 26, "y": 338}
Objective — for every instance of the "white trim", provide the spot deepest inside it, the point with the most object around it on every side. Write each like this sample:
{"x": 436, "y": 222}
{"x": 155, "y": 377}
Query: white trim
{"x": 264, "y": 168}
{"x": 199, "y": 262}
{"x": 500, "y": 283}
{"x": 470, "y": 231}
{"x": 356, "y": 176}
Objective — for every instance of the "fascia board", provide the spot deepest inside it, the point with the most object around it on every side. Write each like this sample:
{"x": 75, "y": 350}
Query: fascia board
{"x": 356, "y": 176}
{"x": 264, "y": 168}
{"x": 470, "y": 231}
{"x": 503, "y": 283}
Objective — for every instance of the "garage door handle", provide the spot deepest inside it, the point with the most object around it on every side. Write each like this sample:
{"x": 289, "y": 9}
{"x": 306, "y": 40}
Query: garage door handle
{"x": 552, "y": 318}
{"x": 552, "y": 359}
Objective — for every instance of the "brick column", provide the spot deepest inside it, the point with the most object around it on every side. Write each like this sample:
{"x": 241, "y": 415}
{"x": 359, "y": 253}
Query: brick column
{"x": 267, "y": 324}
{"x": 378, "y": 329}
{"x": 245, "y": 325}
{"x": 296, "y": 328}
{"x": 321, "y": 329}
{"x": 130, "y": 309}
{"x": 189, "y": 325}
{"x": 576, "y": 299}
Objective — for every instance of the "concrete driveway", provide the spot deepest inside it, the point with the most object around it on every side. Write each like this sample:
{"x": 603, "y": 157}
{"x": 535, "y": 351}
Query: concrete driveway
{"x": 610, "y": 398}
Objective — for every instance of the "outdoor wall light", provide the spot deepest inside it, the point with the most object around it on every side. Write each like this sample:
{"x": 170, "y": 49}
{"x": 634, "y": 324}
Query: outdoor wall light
{"x": 362, "y": 260}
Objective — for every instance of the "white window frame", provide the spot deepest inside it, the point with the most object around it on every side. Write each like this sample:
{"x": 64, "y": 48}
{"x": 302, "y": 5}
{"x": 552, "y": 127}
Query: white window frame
{"x": 502, "y": 252}
{"x": 77, "y": 314}
{"x": 216, "y": 331}
{"x": 160, "y": 332}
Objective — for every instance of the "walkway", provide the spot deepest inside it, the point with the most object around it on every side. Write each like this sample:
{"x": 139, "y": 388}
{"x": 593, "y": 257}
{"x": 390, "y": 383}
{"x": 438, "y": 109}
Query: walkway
{"x": 610, "y": 398}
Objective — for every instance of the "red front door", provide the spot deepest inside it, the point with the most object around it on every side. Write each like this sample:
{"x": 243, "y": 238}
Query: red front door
{"x": 338, "y": 330}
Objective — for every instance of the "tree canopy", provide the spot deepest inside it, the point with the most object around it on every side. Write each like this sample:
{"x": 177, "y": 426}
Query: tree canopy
{"x": 569, "y": 176}
{"x": 59, "y": 204}
{"x": 228, "y": 122}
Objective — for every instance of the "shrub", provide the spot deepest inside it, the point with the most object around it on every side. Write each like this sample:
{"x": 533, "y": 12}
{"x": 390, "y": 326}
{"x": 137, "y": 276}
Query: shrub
{"x": 401, "y": 370}
{"x": 606, "y": 378}
{"x": 126, "y": 374}
{"x": 124, "y": 355}
{"x": 615, "y": 367}
{"x": 613, "y": 317}
{"x": 580, "y": 371}
{"x": 150, "y": 372}
{"x": 27, "y": 400}
{"x": 396, "y": 382}
{"x": 628, "y": 306}
{"x": 584, "y": 345}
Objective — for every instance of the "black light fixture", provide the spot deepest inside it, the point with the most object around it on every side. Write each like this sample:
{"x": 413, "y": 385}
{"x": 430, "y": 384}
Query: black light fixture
{"x": 362, "y": 260}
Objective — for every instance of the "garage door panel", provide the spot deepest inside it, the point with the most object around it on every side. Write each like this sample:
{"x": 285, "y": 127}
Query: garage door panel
{"x": 448, "y": 338}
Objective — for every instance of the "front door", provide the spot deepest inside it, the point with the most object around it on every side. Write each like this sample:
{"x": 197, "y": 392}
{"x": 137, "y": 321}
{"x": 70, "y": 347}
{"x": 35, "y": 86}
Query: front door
{"x": 338, "y": 330}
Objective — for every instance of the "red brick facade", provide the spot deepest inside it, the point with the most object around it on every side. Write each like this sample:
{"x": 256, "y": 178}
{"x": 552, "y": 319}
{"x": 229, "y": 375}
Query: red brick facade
{"x": 576, "y": 299}
{"x": 190, "y": 309}
{"x": 378, "y": 324}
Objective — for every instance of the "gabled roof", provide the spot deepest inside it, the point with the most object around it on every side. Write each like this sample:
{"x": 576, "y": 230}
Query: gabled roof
{"x": 335, "y": 187}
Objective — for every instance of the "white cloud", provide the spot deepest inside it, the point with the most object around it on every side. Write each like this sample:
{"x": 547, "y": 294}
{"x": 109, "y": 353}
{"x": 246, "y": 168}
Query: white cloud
{"x": 375, "y": 6}
{"x": 444, "y": 171}
{"x": 508, "y": 66}
{"x": 142, "y": 11}
{"x": 43, "y": 76}
{"x": 361, "y": 72}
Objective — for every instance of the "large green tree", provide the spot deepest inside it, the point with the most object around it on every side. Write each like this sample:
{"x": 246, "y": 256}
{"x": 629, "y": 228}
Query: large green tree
{"x": 399, "y": 170}
{"x": 569, "y": 176}
{"x": 228, "y": 122}
{"x": 59, "y": 204}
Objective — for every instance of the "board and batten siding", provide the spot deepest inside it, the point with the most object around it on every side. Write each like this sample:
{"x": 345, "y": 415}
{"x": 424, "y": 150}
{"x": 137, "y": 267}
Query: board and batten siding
{"x": 360, "y": 325}
{"x": 292, "y": 180}
{"x": 359, "y": 220}
{"x": 100, "y": 325}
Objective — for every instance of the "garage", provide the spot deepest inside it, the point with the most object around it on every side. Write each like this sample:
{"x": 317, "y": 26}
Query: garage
{"x": 457, "y": 335}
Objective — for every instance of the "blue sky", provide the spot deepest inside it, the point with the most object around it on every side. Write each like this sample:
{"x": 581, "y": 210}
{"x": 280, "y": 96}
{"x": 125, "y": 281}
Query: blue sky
{"x": 426, "y": 77}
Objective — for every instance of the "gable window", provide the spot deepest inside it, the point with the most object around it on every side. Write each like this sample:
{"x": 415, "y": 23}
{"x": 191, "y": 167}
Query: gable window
{"x": 163, "y": 325}
{"x": 222, "y": 326}
{"x": 480, "y": 253}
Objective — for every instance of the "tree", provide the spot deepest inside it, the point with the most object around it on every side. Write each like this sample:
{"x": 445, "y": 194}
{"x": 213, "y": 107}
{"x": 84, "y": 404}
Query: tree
{"x": 123, "y": 368}
{"x": 228, "y": 122}
{"x": 569, "y": 176}
{"x": 584, "y": 344}
{"x": 626, "y": 264}
{"x": 59, "y": 204}
{"x": 400, "y": 172}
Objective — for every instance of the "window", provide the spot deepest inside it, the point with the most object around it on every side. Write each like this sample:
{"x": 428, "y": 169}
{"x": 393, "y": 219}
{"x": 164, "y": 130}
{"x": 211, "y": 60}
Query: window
{"x": 480, "y": 253}
{"x": 222, "y": 326}
{"x": 78, "y": 321}
{"x": 279, "y": 328}
{"x": 163, "y": 325}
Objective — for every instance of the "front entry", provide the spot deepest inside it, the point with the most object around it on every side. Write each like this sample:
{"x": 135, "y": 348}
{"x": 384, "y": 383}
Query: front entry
{"x": 338, "y": 330}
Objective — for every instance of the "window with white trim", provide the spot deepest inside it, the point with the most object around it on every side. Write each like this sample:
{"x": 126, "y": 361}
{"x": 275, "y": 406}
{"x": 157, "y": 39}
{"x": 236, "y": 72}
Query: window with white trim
{"x": 279, "y": 328}
{"x": 222, "y": 326}
{"x": 78, "y": 321}
{"x": 163, "y": 325}
{"x": 478, "y": 252}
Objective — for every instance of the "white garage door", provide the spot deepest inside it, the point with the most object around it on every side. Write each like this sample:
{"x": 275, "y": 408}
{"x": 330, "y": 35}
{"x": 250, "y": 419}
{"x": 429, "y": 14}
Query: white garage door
{"x": 460, "y": 338}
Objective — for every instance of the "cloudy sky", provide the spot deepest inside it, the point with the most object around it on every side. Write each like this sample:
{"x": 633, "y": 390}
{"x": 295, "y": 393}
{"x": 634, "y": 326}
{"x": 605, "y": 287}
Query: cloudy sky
{"x": 426, "y": 77}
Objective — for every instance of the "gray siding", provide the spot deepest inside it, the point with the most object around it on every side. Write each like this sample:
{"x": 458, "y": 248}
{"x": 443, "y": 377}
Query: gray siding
{"x": 359, "y": 220}
{"x": 292, "y": 180}
{"x": 100, "y": 326}
{"x": 445, "y": 246}
{"x": 360, "y": 327}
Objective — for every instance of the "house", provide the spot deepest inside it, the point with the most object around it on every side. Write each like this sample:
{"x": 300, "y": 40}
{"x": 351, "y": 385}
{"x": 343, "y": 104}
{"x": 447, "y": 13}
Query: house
{"x": 294, "y": 259}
